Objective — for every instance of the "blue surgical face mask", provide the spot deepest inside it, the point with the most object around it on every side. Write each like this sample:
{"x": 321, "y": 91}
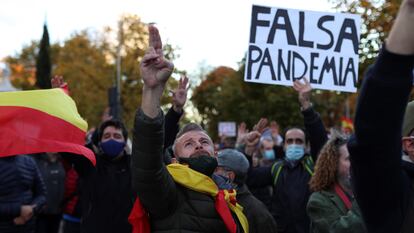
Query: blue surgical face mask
{"x": 294, "y": 152}
{"x": 269, "y": 154}
{"x": 222, "y": 181}
{"x": 112, "y": 148}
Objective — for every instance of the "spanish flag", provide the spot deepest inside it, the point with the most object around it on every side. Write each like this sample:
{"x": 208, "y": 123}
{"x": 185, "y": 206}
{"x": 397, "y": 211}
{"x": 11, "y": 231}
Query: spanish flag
{"x": 41, "y": 121}
{"x": 347, "y": 123}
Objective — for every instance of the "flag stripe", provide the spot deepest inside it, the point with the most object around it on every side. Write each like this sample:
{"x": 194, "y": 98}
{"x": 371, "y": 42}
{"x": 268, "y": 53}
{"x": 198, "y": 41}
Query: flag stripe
{"x": 51, "y": 101}
{"x": 26, "y": 130}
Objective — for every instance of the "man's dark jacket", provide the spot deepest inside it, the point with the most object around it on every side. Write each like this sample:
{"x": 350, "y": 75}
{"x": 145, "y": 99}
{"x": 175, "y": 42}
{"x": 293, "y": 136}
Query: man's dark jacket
{"x": 291, "y": 193}
{"x": 260, "y": 219}
{"x": 383, "y": 188}
{"x": 105, "y": 193}
{"x": 53, "y": 175}
{"x": 172, "y": 207}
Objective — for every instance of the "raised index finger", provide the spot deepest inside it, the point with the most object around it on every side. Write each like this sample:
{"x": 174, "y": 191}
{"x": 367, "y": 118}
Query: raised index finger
{"x": 154, "y": 37}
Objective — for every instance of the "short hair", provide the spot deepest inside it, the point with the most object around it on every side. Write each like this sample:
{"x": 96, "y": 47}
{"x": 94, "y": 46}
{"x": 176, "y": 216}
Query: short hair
{"x": 190, "y": 127}
{"x": 187, "y": 128}
{"x": 117, "y": 124}
{"x": 295, "y": 127}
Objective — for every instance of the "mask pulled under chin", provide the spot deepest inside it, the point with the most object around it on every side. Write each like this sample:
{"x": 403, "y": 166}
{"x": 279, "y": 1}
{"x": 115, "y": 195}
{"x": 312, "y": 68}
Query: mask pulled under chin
{"x": 204, "y": 164}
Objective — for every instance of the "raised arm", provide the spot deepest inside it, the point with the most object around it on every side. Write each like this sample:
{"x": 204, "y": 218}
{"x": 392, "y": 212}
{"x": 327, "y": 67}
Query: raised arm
{"x": 58, "y": 82}
{"x": 175, "y": 113}
{"x": 313, "y": 123}
{"x": 380, "y": 186}
{"x": 257, "y": 176}
{"x": 150, "y": 178}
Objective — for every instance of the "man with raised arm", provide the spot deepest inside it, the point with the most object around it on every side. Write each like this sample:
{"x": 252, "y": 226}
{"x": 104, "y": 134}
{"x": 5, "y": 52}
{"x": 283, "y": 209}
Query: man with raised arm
{"x": 181, "y": 196}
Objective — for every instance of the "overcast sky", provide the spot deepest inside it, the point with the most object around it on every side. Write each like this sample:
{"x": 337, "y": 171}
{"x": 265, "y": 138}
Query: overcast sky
{"x": 212, "y": 31}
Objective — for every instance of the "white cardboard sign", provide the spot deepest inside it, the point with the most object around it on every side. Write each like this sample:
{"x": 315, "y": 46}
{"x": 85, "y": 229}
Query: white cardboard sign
{"x": 286, "y": 45}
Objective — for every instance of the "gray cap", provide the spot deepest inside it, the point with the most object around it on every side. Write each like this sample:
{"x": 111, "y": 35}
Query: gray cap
{"x": 233, "y": 160}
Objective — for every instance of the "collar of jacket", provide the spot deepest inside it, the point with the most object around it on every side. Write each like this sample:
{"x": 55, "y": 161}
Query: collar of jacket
{"x": 408, "y": 168}
{"x": 242, "y": 190}
{"x": 225, "y": 199}
{"x": 183, "y": 175}
{"x": 295, "y": 163}
{"x": 335, "y": 199}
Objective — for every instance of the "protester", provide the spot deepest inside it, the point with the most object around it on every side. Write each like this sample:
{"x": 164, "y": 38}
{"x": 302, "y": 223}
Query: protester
{"x": 332, "y": 207}
{"x": 264, "y": 157}
{"x": 22, "y": 194}
{"x": 53, "y": 174}
{"x": 290, "y": 176}
{"x": 105, "y": 190}
{"x": 177, "y": 197}
{"x": 383, "y": 188}
{"x": 267, "y": 151}
{"x": 173, "y": 116}
{"x": 233, "y": 167}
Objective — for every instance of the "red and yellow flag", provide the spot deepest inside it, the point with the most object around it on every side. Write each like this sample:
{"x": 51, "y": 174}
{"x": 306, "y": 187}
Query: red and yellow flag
{"x": 347, "y": 123}
{"x": 41, "y": 121}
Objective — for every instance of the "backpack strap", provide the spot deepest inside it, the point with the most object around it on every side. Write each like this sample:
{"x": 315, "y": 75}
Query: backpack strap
{"x": 308, "y": 164}
{"x": 276, "y": 169}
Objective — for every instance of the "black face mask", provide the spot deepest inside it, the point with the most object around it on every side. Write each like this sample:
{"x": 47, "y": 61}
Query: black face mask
{"x": 204, "y": 164}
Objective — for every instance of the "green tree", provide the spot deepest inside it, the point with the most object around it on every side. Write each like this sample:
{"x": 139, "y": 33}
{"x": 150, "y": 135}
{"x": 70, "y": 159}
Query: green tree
{"x": 43, "y": 62}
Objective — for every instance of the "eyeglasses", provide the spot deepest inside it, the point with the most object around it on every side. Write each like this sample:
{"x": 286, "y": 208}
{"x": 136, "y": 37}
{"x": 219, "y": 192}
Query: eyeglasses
{"x": 298, "y": 141}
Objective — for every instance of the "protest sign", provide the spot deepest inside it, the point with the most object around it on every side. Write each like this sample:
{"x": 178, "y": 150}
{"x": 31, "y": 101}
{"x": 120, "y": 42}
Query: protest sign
{"x": 227, "y": 129}
{"x": 286, "y": 45}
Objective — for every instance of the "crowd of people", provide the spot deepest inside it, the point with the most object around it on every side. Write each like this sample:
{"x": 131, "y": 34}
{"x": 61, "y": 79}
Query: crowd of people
{"x": 305, "y": 180}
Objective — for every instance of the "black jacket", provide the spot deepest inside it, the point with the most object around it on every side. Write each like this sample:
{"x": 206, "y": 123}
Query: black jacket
{"x": 383, "y": 188}
{"x": 291, "y": 193}
{"x": 172, "y": 207}
{"x": 53, "y": 175}
{"x": 260, "y": 219}
{"x": 105, "y": 193}
{"x": 20, "y": 184}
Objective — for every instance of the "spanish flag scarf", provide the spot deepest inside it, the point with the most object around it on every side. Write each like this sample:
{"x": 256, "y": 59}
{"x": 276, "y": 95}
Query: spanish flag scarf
{"x": 183, "y": 175}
